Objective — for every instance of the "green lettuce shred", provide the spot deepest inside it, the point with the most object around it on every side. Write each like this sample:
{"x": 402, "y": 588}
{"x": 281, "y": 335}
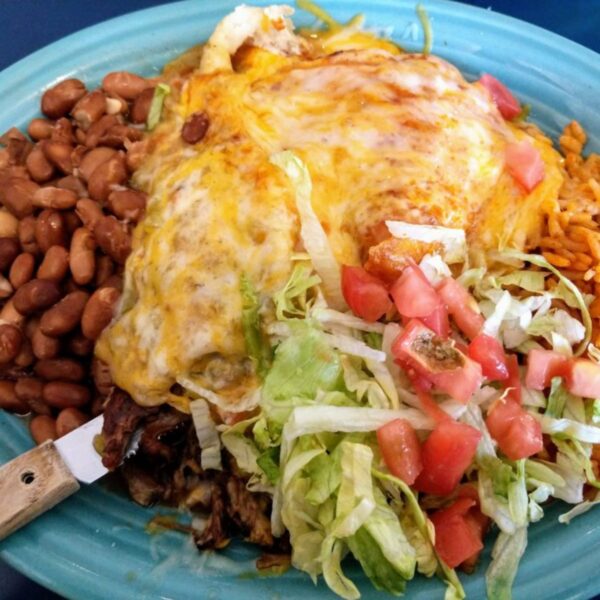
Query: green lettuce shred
{"x": 161, "y": 91}
{"x": 257, "y": 345}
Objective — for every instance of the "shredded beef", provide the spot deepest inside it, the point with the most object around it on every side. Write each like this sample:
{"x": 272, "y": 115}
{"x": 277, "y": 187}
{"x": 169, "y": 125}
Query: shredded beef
{"x": 121, "y": 418}
{"x": 164, "y": 434}
{"x": 143, "y": 488}
{"x": 248, "y": 510}
{"x": 214, "y": 534}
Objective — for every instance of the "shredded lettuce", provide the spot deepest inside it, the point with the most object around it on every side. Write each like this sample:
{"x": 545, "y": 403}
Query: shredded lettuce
{"x": 454, "y": 590}
{"x": 311, "y": 231}
{"x": 292, "y": 301}
{"x": 570, "y": 428}
{"x": 161, "y": 91}
{"x": 557, "y": 399}
{"x": 304, "y": 364}
{"x": 567, "y": 284}
{"x": 208, "y": 437}
{"x": 532, "y": 281}
{"x": 434, "y": 268}
{"x": 354, "y": 347}
{"x": 506, "y": 554}
{"x": 328, "y": 316}
{"x": 452, "y": 240}
{"x": 257, "y": 346}
{"x": 427, "y": 29}
{"x": 579, "y": 509}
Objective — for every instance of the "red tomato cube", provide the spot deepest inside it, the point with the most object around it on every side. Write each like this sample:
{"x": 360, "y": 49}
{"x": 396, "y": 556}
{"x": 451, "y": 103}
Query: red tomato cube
{"x": 413, "y": 295}
{"x": 542, "y": 367}
{"x": 366, "y": 295}
{"x": 583, "y": 378}
{"x": 489, "y": 353}
{"x": 446, "y": 455}
{"x": 507, "y": 104}
{"x": 461, "y": 306}
{"x": 400, "y": 449}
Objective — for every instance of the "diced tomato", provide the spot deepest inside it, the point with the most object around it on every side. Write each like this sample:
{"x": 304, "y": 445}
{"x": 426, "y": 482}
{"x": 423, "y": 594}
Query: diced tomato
{"x": 438, "y": 321}
{"x": 583, "y": 378}
{"x": 418, "y": 380}
{"x": 507, "y": 104}
{"x": 489, "y": 353}
{"x": 366, "y": 295}
{"x": 461, "y": 306}
{"x": 430, "y": 407}
{"x": 519, "y": 434}
{"x": 457, "y": 536}
{"x": 413, "y": 295}
{"x": 513, "y": 383}
{"x": 446, "y": 455}
{"x": 542, "y": 367}
{"x": 438, "y": 360}
{"x": 524, "y": 163}
{"x": 400, "y": 449}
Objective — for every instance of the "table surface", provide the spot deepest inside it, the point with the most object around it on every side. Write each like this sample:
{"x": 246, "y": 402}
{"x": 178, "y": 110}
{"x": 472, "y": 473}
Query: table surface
{"x": 31, "y": 24}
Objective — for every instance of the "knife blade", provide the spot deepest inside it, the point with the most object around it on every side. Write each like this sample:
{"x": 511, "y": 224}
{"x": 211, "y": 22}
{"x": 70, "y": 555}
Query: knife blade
{"x": 39, "y": 479}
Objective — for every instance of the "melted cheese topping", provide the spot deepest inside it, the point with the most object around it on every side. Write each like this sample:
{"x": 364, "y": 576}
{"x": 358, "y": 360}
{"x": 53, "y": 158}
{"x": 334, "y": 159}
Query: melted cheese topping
{"x": 385, "y": 135}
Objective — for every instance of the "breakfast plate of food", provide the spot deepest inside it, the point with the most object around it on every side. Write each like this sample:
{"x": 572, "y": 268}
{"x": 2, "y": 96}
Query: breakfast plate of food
{"x": 323, "y": 281}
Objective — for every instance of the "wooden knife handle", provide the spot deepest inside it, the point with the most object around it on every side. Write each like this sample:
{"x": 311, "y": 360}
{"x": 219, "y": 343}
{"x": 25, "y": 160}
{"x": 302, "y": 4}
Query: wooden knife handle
{"x": 32, "y": 484}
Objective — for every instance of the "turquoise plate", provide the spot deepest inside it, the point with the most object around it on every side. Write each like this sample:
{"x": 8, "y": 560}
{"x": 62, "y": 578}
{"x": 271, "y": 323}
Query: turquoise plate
{"x": 94, "y": 545}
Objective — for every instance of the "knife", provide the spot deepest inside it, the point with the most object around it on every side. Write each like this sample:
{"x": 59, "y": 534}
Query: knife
{"x": 39, "y": 479}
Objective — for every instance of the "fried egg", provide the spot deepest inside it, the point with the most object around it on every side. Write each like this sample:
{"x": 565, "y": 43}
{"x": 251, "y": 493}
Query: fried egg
{"x": 385, "y": 135}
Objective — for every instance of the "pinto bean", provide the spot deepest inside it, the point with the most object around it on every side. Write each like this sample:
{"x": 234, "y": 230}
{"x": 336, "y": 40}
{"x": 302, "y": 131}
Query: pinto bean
{"x": 127, "y": 204}
{"x": 104, "y": 269}
{"x": 9, "y": 399}
{"x": 59, "y": 154}
{"x": 195, "y": 127}
{"x": 89, "y": 212}
{"x": 64, "y": 394}
{"x": 136, "y": 153}
{"x": 68, "y": 420}
{"x": 65, "y": 315}
{"x": 99, "y": 129}
{"x": 98, "y": 312}
{"x": 6, "y": 289}
{"x": 39, "y": 167}
{"x": 50, "y": 229}
{"x": 9, "y": 224}
{"x": 73, "y": 183}
{"x": 102, "y": 377}
{"x": 72, "y": 221}
{"x": 114, "y": 106}
{"x": 9, "y": 314}
{"x": 63, "y": 132}
{"x": 27, "y": 237}
{"x": 82, "y": 258}
{"x": 44, "y": 346}
{"x": 141, "y": 106}
{"x": 109, "y": 174}
{"x": 119, "y": 136}
{"x": 39, "y": 129}
{"x": 42, "y": 428}
{"x": 29, "y": 390}
{"x": 113, "y": 239}
{"x": 89, "y": 109}
{"x": 11, "y": 339}
{"x": 9, "y": 250}
{"x": 124, "y": 84}
{"x": 55, "y": 265}
{"x": 25, "y": 357}
{"x": 54, "y": 197}
{"x": 61, "y": 98}
{"x": 65, "y": 369}
{"x": 79, "y": 345}
{"x": 17, "y": 146}
{"x": 114, "y": 281}
{"x": 93, "y": 159}
{"x": 21, "y": 271}
{"x": 17, "y": 196}
{"x": 35, "y": 295}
